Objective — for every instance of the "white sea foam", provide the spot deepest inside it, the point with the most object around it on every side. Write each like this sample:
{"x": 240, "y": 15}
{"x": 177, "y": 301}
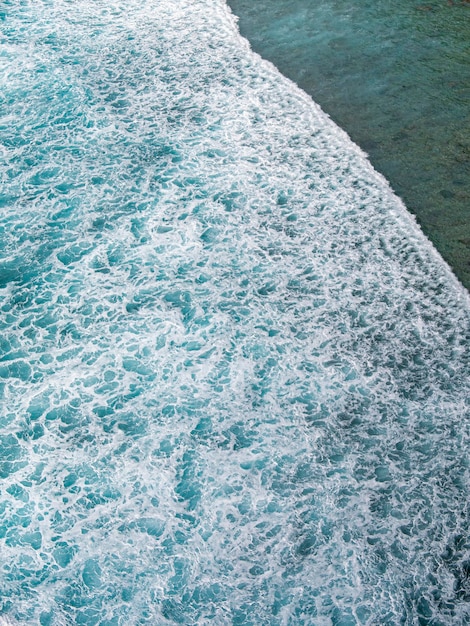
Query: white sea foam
{"x": 235, "y": 371}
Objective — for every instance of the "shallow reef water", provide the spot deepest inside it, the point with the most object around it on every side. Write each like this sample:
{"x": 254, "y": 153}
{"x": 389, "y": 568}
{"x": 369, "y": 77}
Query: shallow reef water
{"x": 234, "y": 372}
{"x": 396, "y": 77}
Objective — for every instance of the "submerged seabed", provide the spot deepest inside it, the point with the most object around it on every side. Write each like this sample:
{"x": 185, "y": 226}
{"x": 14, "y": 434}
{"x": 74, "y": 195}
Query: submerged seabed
{"x": 235, "y": 373}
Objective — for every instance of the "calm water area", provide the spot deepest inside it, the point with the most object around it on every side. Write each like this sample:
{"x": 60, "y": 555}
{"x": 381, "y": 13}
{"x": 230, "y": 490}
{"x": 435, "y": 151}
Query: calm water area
{"x": 396, "y": 77}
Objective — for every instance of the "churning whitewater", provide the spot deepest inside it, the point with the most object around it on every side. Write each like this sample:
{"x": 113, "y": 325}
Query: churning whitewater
{"x": 235, "y": 374}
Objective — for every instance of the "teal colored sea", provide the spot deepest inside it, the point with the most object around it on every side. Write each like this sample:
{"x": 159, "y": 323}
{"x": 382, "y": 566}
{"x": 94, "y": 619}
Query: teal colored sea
{"x": 396, "y": 76}
{"x": 234, "y": 372}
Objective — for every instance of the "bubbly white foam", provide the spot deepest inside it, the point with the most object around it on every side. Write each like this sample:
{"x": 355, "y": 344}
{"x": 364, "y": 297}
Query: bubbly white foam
{"x": 236, "y": 372}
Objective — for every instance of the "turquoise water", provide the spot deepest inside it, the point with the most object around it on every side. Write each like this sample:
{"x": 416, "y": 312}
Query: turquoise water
{"x": 234, "y": 373}
{"x": 396, "y": 76}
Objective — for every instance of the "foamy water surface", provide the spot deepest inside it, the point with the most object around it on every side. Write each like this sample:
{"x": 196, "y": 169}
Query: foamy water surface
{"x": 235, "y": 374}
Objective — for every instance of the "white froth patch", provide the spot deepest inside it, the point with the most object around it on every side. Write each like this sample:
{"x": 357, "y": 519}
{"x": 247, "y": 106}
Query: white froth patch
{"x": 235, "y": 370}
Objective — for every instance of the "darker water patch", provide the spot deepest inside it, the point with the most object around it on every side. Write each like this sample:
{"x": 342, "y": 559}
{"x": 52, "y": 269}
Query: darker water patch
{"x": 396, "y": 77}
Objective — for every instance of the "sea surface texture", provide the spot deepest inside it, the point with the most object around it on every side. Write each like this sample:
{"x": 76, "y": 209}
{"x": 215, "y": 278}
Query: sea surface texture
{"x": 235, "y": 374}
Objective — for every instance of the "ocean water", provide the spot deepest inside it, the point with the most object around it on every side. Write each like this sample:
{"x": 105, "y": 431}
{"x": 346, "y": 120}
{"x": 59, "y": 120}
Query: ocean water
{"x": 234, "y": 372}
{"x": 396, "y": 76}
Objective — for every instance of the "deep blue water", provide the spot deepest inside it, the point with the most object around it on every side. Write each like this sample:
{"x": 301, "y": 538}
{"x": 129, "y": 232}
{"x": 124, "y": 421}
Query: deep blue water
{"x": 234, "y": 373}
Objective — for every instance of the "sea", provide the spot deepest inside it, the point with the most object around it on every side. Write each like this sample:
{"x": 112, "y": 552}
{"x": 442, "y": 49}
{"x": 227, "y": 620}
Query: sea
{"x": 396, "y": 76}
{"x": 234, "y": 371}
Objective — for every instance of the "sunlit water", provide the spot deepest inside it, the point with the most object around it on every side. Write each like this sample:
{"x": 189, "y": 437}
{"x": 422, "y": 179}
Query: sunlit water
{"x": 235, "y": 374}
